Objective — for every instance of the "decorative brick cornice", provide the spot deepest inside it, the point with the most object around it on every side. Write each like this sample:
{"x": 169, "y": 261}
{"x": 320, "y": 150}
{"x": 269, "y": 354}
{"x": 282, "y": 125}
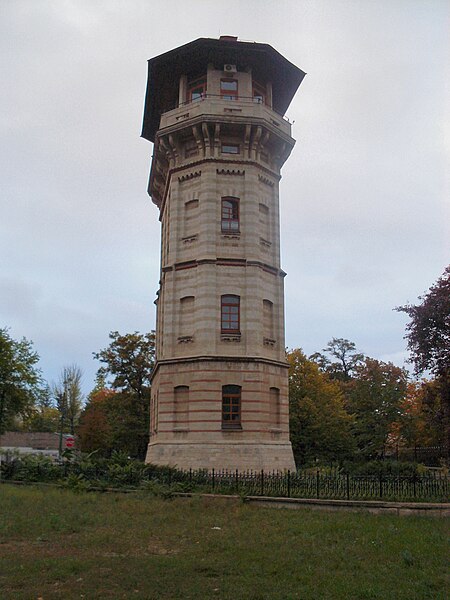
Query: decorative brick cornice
{"x": 230, "y": 172}
{"x": 266, "y": 180}
{"x": 218, "y": 358}
{"x": 162, "y": 198}
{"x": 189, "y": 176}
{"x": 224, "y": 262}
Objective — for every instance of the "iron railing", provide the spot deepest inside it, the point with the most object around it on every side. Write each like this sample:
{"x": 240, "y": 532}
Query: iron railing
{"x": 429, "y": 487}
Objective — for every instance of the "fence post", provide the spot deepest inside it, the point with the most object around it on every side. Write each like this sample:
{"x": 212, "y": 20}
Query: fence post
{"x": 237, "y": 481}
{"x": 190, "y": 475}
{"x": 317, "y": 483}
{"x": 414, "y": 484}
{"x": 348, "y": 486}
{"x": 213, "y": 480}
{"x": 262, "y": 482}
{"x": 289, "y": 483}
{"x": 381, "y": 485}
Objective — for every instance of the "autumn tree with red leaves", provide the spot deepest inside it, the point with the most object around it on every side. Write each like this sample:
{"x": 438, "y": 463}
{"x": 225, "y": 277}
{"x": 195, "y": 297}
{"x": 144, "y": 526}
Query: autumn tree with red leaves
{"x": 428, "y": 336}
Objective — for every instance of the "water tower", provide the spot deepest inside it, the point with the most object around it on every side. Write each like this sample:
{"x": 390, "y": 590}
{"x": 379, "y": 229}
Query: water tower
{"x": 214, "y": 111}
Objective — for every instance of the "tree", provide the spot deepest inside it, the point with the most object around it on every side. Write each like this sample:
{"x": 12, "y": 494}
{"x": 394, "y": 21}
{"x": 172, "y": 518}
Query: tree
{"x": 422, "y": 423}
{"x": 428, "y": 335}
{"x": 94, "y": 431}
{"x": 20, "y": 379}
{"x": 346, "y": 359}
{"x": 320, "y": 427}
{"x": 44, "y": 416}
{"x": 428, "y": 332}
{"x": 374, "y": 399}
{"x": 128, "y": 362}
{"x": 68, "y": 396}
{"x": 129, "y": 359}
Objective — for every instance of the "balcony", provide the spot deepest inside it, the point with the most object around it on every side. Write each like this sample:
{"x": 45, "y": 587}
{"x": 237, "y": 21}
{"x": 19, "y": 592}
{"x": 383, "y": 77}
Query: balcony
{"x": 215, "y": 105}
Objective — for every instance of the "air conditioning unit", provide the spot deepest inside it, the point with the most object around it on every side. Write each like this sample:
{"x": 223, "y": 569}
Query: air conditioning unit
{"x": 230, "y": 69}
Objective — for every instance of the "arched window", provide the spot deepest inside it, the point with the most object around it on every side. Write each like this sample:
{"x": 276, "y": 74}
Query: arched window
{"x": 231, "y": 407}
{"x": 186, "y": 315}
{"x": 230, "y": 314}
{"x": 275, "y": 408}
{"x": 181, "y": 406}
{"x": 268, "y": 319}
{"x": 230, "y": 215}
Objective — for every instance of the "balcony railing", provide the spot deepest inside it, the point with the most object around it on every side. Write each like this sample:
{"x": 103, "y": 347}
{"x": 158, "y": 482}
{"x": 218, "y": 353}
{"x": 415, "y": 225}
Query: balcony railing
{"x": 234, "y": 99}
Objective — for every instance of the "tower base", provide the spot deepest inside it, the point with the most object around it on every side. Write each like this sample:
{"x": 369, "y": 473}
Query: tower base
{"x": 228, "y": 456}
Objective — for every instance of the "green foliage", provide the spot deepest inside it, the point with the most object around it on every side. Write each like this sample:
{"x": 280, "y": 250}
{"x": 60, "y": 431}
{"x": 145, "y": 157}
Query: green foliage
{"x": 375, "y": 399}
{"x": 68, "y": 396}
{"x": 29, "y": 468}
{"x": 76, "y": 482}
{"x": 20, "y": 379}
{"x": 129, "y": 360}
{"x": 320, "y": 427}
{"x": 340, "y": 359}
{"x": 119, "y": 418}
{"x": 43, "y": 416}
{"x": 382, "y": 467}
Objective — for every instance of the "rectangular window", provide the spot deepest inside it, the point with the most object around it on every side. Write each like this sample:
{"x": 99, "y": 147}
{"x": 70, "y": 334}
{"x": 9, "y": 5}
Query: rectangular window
{"x": 230, "y": 149}
{"x": 231, "y": 407}
{"x": 196, "y": 89}
{"x": 259, "y": 93}
{"x": 230, "y": 316}
{"x": 230, "y": 215}
{"x": 229, "y": 89}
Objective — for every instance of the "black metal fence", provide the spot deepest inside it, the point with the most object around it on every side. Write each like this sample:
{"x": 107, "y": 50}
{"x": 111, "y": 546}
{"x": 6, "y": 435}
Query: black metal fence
{"x": 335, "y": 485}
{"x": 429, "y": 487}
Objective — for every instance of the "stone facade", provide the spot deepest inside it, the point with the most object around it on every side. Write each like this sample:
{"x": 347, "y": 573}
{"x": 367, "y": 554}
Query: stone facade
{"x": 220, "y": 307}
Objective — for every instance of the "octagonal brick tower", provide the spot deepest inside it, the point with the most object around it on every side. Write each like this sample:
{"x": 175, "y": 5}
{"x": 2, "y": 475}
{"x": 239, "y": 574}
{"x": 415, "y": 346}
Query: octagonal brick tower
{"x": 214, "y": 110}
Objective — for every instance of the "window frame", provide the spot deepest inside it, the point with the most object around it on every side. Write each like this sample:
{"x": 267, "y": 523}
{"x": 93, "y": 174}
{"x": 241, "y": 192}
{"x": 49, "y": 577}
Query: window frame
{"x": 232, "y": 95}
{"x": 226, "y": 315}
{"x": 230, "y": 149}
{"x": 227, "y": 221}
{"x": 192, "y": 86}
{"x": 231, "y": 399}
{"x": 259, "y": 92}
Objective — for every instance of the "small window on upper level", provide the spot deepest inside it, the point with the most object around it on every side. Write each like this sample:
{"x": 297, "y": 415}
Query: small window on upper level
{"x": 196, "y": 89}
{"x": 230, "y": 148}
{"x": 259, "y": 93}
{"x": 230, "y": 215}
{"x": 230, "y": 314}
{"x": 229, "y": 89}
{"x": 268, "y": 319}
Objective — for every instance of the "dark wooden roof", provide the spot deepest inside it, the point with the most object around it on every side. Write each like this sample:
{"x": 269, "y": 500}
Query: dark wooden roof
{"x": 165, "y": 70}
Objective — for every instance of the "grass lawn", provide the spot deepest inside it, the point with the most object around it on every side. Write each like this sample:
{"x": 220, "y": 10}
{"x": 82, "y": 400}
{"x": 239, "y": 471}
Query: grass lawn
{"x": 59, "y": 544}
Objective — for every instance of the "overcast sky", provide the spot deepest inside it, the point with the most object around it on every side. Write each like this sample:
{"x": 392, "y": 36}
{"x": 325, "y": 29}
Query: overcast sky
{"x": 364, "y": 195}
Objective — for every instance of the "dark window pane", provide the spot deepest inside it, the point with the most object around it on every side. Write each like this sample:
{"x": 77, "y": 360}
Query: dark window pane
{"x": 230, "y": 149}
